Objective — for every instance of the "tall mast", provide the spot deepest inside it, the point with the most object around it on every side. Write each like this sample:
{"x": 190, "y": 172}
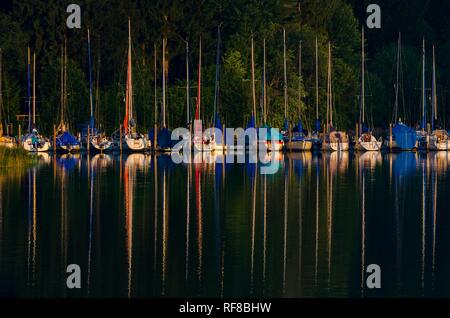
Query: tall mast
{"x": 97, "y": 92}
{"x": 424, "y": 119}
{"x": 285, "y": 75}
{"x": 331, "y": 84}
{"x": 253, "y": 81}
{"x": 362, "y": 106}
{"x": 187, "y": 85}
{"x": 164, "y": 82}
{"x": 264, "y": 82}
{"x": 65, "y": 76}
{"x": 434, "y": 95}
{"x": 34, "y": 90}
{"x": 300, "y": 78}
{"x": 217, "y": 85}
{"x": 61, "y": 98}
{"x": 398, "y": 73}
{"x": 29, "y": 93}
{"x": 317, "y": 82}
{"x": 156, "y": 85}
{"x": 197, "y": 108}
{"x": 1, "y": 94}
{"x": 329, "y": 92}
{"x": 130, "y": 75}
{"x": 91, "y": 105}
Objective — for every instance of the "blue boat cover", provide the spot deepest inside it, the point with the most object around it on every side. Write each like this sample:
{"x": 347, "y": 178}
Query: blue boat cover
{"x": 318, "y": 125}
{"x": 165, "y": 138}
{"x": 299, "y": 126}
{"x": 404, "y": 136}
{"x": 67, "y": 139}
{"x": 286, "y": 125}
{"x": 364, "y": 129}
{"x": 251, "y": 123}
{"x": 151, "y": 135}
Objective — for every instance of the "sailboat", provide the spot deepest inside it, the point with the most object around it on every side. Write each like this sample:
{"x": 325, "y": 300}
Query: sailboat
{"x": 165, "y": 142}
{"x": 252, "y": 124}
{"x": 97, "y": 138}
{"x": 201, "y": 143}
{"x": 219, "y": 144}
{"x": 5, "y": 140}
{"x": 366, "y": 141}
{"x": 333, "y": 140}
{"x": 439, "y": 139}
{"x": 315, "y": 135}
{"x": 266, "y": 143}
{"x": 33, "y": 141}
{"x": 132, "y": 140}
{"x": 297, "y": 140}
{"x": 401, "y": 137}
{"x": 65, "y": 140}
{"x": 422, "y": 133}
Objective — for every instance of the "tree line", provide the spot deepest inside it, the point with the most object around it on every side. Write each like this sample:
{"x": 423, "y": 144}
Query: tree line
{"x": 41, "y": 25}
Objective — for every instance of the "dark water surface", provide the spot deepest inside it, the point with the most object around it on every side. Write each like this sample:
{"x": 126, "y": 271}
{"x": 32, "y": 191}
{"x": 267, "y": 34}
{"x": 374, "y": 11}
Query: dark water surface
{"x": 142, "y": 226}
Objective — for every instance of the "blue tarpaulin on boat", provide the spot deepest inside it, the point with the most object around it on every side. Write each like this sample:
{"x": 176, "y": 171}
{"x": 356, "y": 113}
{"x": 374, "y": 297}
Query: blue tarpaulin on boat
{"x": 286, "y": 125}
{"x": 318, "y": 125}
{"x": 66, "y": 139}
{"x": 404, "y": 136}
{"x": 151, "y": 135}
{"x": 299, "y": 126}
{"x": 364, "y": 129}
{"x": 164, "y": 138}
{"x": 251, "y": 123}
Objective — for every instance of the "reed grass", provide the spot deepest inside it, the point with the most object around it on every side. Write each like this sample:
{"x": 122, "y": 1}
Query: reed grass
{"x": 15, "y": 158}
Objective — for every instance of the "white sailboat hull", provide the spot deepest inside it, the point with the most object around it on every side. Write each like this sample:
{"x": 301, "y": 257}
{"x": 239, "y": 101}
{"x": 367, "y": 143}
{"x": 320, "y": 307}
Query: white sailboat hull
{"x": 101, "y": 144}
{"x": 335, "y": 146}
{"x": 299, "y": 145}
{"x": 372, "y": 145}
{"x": 134, "y": 143}
{"x": 439, "y": 145}
{"x": 27, "y": 144}
{"x": 369, "y": 146}
{"x": 439, "y": 141}
{"x": 270, "y": 146}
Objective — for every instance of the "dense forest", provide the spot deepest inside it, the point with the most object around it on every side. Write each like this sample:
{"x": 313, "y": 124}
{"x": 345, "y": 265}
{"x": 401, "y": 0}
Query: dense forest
{"x": 41, "y": 25}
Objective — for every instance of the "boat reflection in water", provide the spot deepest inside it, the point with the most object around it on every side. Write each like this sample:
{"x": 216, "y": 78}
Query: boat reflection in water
{"x": 142, "y": 226}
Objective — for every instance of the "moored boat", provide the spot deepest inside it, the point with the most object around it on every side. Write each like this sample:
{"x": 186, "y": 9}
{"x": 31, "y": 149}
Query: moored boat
{"x": 333, "y": 140}
{"x": 33, "y": 141}
{"x": 129, "y": 139}
{"x": 366, "y": 141}
{"x": 295, "y": 139}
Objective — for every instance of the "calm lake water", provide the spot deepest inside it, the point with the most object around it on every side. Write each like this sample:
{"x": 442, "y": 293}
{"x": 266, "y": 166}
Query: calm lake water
{"x": 142, "y": 226}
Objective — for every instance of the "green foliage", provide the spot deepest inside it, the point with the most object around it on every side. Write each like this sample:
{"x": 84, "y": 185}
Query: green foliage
{"x": 14, "y": 157}
{"x": 41, "y": 25}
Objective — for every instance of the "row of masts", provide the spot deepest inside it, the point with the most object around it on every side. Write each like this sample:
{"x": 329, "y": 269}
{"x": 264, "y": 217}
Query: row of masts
{"x": 129, "y": 123}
